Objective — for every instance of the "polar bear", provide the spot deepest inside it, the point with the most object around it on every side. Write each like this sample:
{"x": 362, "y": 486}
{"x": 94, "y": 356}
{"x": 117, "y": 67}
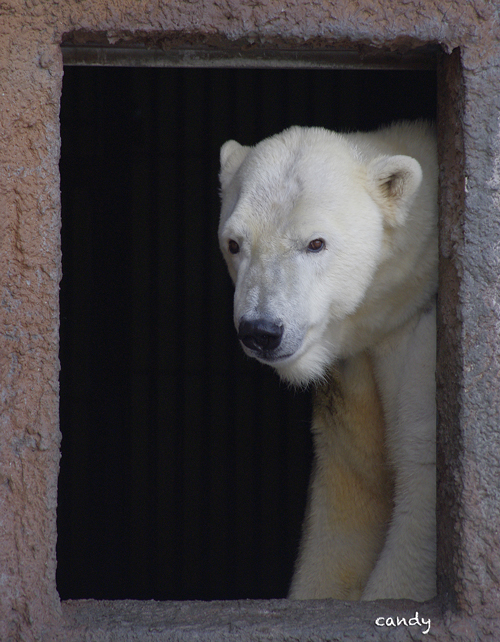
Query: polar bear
{"x": 331, "y": 241}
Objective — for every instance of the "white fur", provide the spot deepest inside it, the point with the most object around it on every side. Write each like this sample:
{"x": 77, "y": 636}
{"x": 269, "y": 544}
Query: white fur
{"x": 372, "y": 199}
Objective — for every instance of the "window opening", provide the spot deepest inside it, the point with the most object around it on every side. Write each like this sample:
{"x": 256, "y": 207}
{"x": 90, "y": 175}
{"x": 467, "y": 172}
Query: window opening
{"x": 185, "y": 465}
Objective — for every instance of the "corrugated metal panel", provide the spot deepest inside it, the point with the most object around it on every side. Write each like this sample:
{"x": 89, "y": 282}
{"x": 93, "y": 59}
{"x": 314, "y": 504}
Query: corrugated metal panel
{"x": 184, "y": 464}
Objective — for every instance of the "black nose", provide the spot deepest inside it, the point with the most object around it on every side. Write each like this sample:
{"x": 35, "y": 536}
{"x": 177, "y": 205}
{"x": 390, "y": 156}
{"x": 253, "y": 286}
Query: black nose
{"x": 260, "y": 334}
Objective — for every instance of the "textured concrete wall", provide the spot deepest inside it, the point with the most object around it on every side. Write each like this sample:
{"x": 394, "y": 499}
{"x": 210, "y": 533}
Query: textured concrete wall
{"x": 468, "y": 378}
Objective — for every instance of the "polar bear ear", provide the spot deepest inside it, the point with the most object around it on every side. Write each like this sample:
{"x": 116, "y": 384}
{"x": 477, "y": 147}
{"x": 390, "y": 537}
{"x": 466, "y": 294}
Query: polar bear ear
{"x": 395, "y": 180}
{"x": 232, "y": 154}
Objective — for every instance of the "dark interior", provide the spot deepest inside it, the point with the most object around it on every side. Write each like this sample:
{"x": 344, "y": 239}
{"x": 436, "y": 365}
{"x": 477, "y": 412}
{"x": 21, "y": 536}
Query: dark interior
{"x": 184, "y": 464}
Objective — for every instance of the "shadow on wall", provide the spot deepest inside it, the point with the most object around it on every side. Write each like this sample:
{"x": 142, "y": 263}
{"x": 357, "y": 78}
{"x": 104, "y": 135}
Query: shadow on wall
{"x": 184, "y": 464}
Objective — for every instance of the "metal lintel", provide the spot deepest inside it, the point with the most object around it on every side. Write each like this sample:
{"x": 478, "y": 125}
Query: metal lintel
{"x": 141, "y": 56}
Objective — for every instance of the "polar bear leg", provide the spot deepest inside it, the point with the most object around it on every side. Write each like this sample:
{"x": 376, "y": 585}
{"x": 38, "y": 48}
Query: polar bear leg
{"x": 350, "y": 499}
{"x": 405, "y": 370}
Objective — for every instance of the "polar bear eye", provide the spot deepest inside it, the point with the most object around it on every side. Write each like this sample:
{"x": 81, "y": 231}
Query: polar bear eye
{"x": 233, "y": 247}
{"x": 316, "y": 246}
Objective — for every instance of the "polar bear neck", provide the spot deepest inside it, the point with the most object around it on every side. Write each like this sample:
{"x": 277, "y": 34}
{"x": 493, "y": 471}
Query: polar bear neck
{"x": 404, "y": 285}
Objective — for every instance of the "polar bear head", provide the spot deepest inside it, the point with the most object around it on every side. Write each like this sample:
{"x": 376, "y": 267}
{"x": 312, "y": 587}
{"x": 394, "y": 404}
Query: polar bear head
{"x": 314, "y": 232}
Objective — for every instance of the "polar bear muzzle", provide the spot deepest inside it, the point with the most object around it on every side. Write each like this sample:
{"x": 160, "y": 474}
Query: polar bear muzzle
{"x": 260, "y": 335}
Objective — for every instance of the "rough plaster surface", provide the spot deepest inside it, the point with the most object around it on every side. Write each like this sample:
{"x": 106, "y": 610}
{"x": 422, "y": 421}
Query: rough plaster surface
{"x": 450, "y": 353}
{"x": 247, "y": 620}
{"x": 480, "y": 306}
{"x": 468, "y": 376}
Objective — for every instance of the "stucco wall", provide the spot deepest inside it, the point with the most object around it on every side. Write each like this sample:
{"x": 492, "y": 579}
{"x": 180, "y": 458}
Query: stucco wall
{"x": 468, "y": 378}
